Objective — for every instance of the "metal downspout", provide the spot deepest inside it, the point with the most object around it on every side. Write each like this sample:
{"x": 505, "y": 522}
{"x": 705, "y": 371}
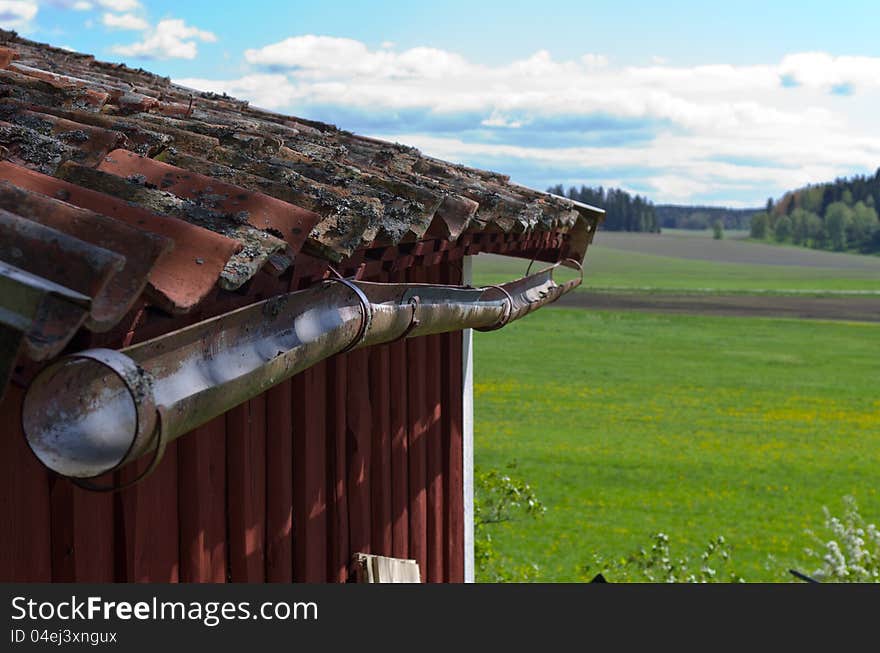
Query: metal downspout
{"x": 95, "y": 411}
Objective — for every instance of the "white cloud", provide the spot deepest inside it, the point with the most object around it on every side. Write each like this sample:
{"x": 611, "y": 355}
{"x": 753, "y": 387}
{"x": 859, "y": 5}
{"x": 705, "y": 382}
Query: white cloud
{"x": 326, "y": 56}
{"x": 266, "y": 90}
{"x": 76, "y": 5}
{"x": 119, "y": 5}
{"x": 824, "y": 71}
{"x": 594, "y": 60}
{"x": 124, "y": 21}
{"x": 172, "y": 38}
{"x": 17, "y": 14}
{"x": 715, "y": 130}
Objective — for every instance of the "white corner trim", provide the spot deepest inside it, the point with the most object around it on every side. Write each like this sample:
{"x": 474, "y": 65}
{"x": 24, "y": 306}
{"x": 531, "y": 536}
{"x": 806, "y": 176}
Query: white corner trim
{"x": 467, "y": 434}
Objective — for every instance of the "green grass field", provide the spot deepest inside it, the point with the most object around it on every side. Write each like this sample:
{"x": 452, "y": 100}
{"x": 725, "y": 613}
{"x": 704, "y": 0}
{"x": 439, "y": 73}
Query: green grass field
{"x": 628, "y": 424}
{"x": 616, "y": 269}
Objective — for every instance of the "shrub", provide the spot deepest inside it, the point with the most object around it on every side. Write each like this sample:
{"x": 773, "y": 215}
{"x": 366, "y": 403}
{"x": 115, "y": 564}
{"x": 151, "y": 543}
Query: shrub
{"x": 499, "y": 498}
{"x": 848, "y": 549}
{"x": 658, "y": 565}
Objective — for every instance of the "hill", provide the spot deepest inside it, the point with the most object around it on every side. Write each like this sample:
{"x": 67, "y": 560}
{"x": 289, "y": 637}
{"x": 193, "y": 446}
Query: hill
{"x": 838, "y": 215}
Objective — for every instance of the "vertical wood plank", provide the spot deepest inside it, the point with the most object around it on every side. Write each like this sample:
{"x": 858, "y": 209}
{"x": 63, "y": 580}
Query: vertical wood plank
{"x": 82, "y": 533}
{"x": 416, "y": 404}
{"x": 399, "y": 446}
{"x": 148, "y": 542}
{"x": 434, "y": 449}
{"x": 359, "y": 426}
{"x": 309, "y": 480}
{"x": 453, "y": 467}
{"x": 340, "y": 552}
{"x": 246, "y": 490}
{"x": 25, "y": 553}
{"x": 201, "y": 464}
{"x": 93, "y": 534}
{"x": 279, "y": 484}
{"x": 380, "y": 465}
{"x": 63, "y": 530}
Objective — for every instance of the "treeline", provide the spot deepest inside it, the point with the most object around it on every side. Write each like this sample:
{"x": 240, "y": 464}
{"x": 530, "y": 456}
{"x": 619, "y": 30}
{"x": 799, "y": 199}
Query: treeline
{"x": 839, "y": 215}
{"x": 623, "y": 212}
{"x": 674, "y": 216}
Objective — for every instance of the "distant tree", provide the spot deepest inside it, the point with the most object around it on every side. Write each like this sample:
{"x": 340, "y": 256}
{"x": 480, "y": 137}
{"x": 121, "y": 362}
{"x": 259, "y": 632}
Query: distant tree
{"x": 813, "y": 229}
{"x": 799, "y": 226}
{"x": 623, "y": 212}
{"x": 717, "y": 229}
{"x": 760, "y": 225}
{"x": 783, "y": 229}
{"x": 805, "y": 226}
{"x": 811, "y": 199}
{"x": 838, "y": 217}
{"x": 860, "y": 230}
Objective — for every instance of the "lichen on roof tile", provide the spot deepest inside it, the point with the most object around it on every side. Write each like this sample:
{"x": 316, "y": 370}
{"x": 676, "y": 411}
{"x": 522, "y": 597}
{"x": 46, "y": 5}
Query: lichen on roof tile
{"x": 234, "y": 187}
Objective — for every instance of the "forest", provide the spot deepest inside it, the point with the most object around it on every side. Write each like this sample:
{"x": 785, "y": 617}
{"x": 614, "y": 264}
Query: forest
{"x": 623, "y": 212}
{"x": 675, "y": 216}
{"x": 839, "y": 215}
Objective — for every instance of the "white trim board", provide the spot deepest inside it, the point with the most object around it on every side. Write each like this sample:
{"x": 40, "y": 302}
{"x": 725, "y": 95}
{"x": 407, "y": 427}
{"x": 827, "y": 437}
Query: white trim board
{"x": 467, "y": 434}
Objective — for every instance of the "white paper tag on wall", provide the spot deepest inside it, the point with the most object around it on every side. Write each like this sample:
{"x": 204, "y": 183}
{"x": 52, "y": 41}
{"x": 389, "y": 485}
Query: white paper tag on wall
{"x": 370, "y": 568}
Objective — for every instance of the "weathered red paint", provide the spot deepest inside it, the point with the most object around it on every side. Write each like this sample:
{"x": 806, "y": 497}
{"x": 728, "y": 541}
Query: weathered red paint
{"x": 201, "y": 465}
{"x": 381, "y": 389}
{"x": 339, "y": 549}
{"x": 434, "y": 449}
{"x": 147, "y": 523}
{"x": 358, "y": 419}
{"x": 453, "y": 450}
{"x": 359, "y": 453}
{"x": 25, "y": 553}
{"x": 82, "y": 532}
{"x": 310, "y": 475}
{"x": 397, "y": 364}
{"x": 279, "y": 484}
{"x": 416, "y": 371}
{"x": 246, "y": 490}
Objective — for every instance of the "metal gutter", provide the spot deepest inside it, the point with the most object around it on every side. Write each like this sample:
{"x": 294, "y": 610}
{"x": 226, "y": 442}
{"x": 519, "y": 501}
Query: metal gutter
{"x": 94, "y": 411}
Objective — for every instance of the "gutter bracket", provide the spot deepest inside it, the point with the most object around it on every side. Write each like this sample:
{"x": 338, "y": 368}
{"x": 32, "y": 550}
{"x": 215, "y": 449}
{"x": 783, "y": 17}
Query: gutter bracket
{"x": 414, "y": 301}
{"x": 505, "y": 318}
{"x": 366, "y": 311}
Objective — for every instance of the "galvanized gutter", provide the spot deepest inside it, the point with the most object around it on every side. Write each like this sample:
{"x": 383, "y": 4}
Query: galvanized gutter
{"x": 94, "y": 411}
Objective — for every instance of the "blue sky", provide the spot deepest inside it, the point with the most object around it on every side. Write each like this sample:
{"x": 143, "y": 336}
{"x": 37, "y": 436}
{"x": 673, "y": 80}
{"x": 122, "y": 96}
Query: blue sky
{"x": 682, "y": 101}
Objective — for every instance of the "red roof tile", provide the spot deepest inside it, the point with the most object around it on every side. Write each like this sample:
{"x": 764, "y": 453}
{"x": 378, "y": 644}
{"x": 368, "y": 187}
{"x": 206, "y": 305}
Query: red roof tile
{"x": 118, "y": 184}
{"x": 185, "y": 275}
{"x": 282, "y": 219}
{"x": 139, "y": 249}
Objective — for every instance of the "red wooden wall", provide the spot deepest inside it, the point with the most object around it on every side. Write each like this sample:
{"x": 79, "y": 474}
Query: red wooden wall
{"x": 360, "y": 453}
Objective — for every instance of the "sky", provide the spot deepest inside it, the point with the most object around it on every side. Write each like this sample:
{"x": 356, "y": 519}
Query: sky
{"x": 685, "y": 102}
